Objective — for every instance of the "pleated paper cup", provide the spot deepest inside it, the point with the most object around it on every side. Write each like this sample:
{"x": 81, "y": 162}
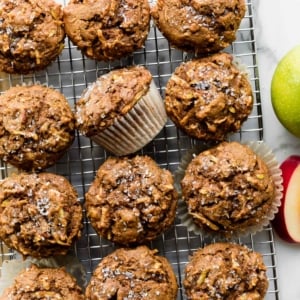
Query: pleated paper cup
{"x": 137, "y": 128}
{"x": 266, "y": 154}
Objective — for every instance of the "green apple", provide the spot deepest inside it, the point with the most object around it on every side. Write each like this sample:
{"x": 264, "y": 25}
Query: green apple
{"x": 285, "y": 91}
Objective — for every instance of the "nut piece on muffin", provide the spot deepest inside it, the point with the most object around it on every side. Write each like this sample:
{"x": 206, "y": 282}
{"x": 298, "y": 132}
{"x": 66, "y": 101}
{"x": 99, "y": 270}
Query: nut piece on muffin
{"x": 107, "y": 30}
{"x": 37, "y": 126}
{"x": 204, "y": 26}
{"x": 31, "y": 35}
{"x": 40, "y": 214}
{"x": 228, "y": 190}
{"x": 122, "y": 111}
{"x": 225, "y": 271}
{"x": 137, "y": 273}
{"x": 132, "y": 200}
{"x": 43, "y": 283}
{"x": 209, "y": 97}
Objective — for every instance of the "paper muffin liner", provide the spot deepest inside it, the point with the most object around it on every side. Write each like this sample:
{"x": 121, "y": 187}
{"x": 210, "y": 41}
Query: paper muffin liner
{"x": 137, "y": 128}
{"x": 261, "y": 150}
{"x": 11, "y": 268}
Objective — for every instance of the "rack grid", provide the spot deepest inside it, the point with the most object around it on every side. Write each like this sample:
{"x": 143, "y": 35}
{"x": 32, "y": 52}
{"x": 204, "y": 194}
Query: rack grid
{"x": 71, "y": 73}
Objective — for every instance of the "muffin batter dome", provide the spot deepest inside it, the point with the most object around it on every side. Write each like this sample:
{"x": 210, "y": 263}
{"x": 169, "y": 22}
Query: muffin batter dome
{"x": 31, "y": 34}
{"x": 107, "y": 29}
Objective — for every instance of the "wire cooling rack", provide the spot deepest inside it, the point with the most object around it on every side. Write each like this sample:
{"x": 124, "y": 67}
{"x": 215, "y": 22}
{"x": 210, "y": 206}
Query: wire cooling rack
{"x": 71, "y": 73}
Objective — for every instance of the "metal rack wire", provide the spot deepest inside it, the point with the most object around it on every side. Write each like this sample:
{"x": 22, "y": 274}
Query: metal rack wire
{"x": 71, "y": 73}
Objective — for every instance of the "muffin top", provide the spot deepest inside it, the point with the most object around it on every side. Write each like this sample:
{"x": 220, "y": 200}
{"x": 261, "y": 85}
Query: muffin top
{"x": 36, "y": 126}
{"x": 31, "y": 34}
{"x": 107, "y": 30}
{"x": 203, "y": 26}
{"x": 43, "y": 283}
{"x": 226, "y": 271}
{"x": 228, "y": 189}
{"x": 137, "y": 273}
{"x": 40, "y": 214}
{"x": 111, "y": 97}
{"x": 132, "y": 200}
{"x": 209, "y": 97}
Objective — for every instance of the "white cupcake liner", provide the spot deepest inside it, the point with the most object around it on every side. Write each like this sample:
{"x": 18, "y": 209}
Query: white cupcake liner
{"x": 11, "y": 268}
{"x": 137, "y": 128}
{"x": 266, "y": 154}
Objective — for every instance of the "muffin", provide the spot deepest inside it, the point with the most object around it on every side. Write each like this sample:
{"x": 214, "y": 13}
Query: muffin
{"x": 40, "y": 215}
{"x": 131, "y": 200}
{"x": 229, "y": 190}
{"x": 133, "y": 274}
{"x": 43, "y": 283}
{"x": 107, "y": 30}
{"x": 37, "y": 126}
{"x": 204, "y": 26}
{"x": 209, "y": 97}
{"x": 122, "y": 111}
{"x": 225, "y": 271}
{"x": 31, "y": 35}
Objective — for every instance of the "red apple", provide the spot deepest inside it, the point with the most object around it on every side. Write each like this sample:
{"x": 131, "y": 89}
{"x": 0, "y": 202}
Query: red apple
{"x": 287, "y": 220}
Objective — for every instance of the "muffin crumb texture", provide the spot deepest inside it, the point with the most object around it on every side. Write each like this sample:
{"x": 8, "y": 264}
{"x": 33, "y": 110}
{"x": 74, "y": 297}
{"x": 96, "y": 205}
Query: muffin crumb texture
{"x": 209, "y": 98}
{"x": 37, "y": 126}
{"x": 201, "y": 26}
{"x": 40, "y": 215}
{"x": 132, "y": 200}
{"x": 107, "y": 30}
{"x": 225, "y": 271}
{"x": 43, "y": 283}
{"x": 31, "y": 35}
{"x": 137, "y": 273}
{"x": 228, "y": 189}
{"x": 111, "y": 97}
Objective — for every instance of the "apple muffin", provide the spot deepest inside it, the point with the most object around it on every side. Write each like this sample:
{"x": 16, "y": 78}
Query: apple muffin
{"x": 131, "y": 200}
{"x": 225, "y": 271}
{"x": 37, "y": 126}
{"x": 203, "y": 26}
{"x": 137, "y": 273}
{"x": 31, "y": 35}
{"x": 40, "y": 214}
{"x": 122, "y": 111}
{"x": 229, "y": 190}
{"x": 107, "y": 30}
{"x": 43, "y": 283}
{"x": 209, "y": 97}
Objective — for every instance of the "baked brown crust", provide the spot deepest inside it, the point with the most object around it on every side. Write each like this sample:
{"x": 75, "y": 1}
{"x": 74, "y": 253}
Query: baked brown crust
{"x": 225, "y": 271}
{"x": 31, "y": 34}
{"x": 132, "y": 200}
{"x": 204, "y": 26}
{"x": 37, "y": 126}
{"x": 209, "y": 97}
{"x": 228, "y": 189}
{"x": 43, "y": 283}
{"x": 107, "y": 30}
{"x": 110, "y": 98}
{"x": 40, "y": 214}
{"x": 133, "y": 274}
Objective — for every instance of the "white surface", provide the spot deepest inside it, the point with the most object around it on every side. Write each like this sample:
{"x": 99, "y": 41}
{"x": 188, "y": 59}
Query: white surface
{"x": 277, "y": 31}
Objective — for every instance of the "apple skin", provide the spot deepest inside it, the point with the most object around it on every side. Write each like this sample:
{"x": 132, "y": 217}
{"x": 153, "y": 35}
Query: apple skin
{"x": 288, "y": 168}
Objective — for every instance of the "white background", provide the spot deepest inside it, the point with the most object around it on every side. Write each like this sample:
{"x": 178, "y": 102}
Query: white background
{"x": 277, "y": 31}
